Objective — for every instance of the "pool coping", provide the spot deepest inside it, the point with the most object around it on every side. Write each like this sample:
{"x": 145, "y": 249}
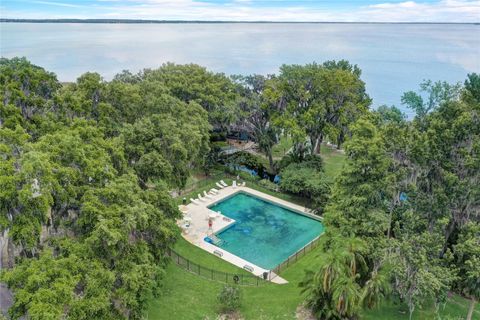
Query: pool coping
{"x": 232, "y": 222}
{"x": 199, "y": 213}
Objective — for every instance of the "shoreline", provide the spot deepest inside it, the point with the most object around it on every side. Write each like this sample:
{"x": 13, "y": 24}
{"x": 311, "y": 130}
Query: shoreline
{"x": 141, "y": 21}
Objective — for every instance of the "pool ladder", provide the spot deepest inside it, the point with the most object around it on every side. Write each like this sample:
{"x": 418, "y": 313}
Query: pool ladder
{"x": 216, "y": 241}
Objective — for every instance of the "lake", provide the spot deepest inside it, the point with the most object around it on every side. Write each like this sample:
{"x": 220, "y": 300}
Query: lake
{"x": 394, "y": 57}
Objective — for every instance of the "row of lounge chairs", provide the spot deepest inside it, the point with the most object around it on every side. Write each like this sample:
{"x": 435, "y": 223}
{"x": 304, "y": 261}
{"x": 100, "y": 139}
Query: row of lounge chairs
{"x": 222, "y": 184}
{"x": 213, "y": 192}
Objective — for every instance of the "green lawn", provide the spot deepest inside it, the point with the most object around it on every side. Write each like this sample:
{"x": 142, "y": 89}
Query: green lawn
{"x": 188, "y": 296}
{"x": 333, "y": 160}
{"x": 455, "y": 308}
{"x": 282, "y": 147}
{"x": 203, "y": 258}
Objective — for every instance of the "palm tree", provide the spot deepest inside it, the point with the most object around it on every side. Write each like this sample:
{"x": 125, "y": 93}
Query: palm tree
{"x": 334, "y": 291}
{"x": 347, "y": 296}
{"x": 376, "y": 287}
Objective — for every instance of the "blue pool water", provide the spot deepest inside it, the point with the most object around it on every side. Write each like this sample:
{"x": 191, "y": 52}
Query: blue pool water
{"x": 264, "y": 234}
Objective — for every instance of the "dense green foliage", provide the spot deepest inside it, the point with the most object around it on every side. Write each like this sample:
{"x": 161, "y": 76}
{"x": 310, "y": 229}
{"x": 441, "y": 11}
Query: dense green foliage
{"x": 85, "y": 174}
{"x": 409, "y": 198}
{"x": 319, "y": 101}
{"x": 307, "y": 179}
{"x": 87, "y": 167}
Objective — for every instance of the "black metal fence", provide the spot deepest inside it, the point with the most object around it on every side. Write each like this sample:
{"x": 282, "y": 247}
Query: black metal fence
{"x": 294, "y": 258}
{"x": 215, "y": 275}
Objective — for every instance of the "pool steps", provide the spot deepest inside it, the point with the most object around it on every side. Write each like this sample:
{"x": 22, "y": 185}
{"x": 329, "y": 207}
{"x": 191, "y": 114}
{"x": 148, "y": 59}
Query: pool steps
{"x": 216, "y": 240}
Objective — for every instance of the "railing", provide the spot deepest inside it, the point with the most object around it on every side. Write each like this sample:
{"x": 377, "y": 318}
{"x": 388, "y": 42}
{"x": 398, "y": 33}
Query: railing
{"x": 215, "y": 275}
{"x": 294, "y": 258}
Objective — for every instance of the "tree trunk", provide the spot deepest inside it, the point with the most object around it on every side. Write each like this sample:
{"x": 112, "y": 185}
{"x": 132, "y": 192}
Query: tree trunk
{"x": 340, "y": 139}
{"x": 471, "y": 308}
{"x": 270, "y": 162}
{"x": 316, "y": 143}
{"x": 448, "y": 233}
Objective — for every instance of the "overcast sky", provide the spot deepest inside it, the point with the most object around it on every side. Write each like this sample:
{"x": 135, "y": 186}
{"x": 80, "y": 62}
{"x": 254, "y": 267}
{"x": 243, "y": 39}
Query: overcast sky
{"x": 249, "y": 10}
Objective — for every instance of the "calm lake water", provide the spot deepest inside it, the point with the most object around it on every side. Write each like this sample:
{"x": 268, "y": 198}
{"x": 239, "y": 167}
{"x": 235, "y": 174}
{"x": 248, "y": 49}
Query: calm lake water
{"x": 394, "y": 58}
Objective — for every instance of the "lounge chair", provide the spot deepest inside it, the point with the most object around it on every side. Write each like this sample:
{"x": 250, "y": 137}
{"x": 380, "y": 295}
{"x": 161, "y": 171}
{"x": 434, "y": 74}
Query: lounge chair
{"x": 207, "y": 195}
{"x": 213, "y": 191}
{"x": 223, "y": 183}
{"x": 219, "y": 185}
{"x": 201, "y": 198}
{"x": 234, "y": 184}
{"x": 194, "y": 201}
{"x": 243, "y": 184}
{"x": 248, "y": 268}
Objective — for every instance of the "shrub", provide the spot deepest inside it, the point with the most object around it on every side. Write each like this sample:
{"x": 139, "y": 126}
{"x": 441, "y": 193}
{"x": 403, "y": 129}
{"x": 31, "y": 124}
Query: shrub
{"x": 218, "y": 136}
{"x": 267, "y": 184}
{"x": 305, "y": 179}
{"x": 246, "y": 159}
{"x": 311, "y": 161}
{"x": 230, "y": 298}
{"x": 247, "y": 176}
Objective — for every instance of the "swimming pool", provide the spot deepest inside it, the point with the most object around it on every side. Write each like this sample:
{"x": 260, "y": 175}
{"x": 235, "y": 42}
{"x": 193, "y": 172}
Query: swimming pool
{"x": 264, "y": 233}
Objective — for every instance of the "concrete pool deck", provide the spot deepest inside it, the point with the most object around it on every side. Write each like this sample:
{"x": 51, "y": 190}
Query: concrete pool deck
{"x": 198, "y": 230}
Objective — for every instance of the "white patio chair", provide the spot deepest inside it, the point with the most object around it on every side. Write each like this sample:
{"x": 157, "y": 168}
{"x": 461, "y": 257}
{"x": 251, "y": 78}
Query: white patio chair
{"x": 219, "y": 185}
{"x": 201, "y": 198}
{"x": 234, "y": 184}
{"x": 207, "y": 195}
{"x": 223, "y": 183}
{"x": 194, "y": 201}
{"x": 243, "y": 184}
{"x": 213, "y": 191}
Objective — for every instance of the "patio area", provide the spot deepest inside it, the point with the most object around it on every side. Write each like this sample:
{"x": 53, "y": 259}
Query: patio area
{"x": 195, "y": 225}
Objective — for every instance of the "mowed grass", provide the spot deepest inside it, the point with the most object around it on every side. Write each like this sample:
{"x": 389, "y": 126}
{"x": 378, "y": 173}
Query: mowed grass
{"x": 203, "y": 258}
{"x": 456, "y": 308}
{"x": 333, "y": 161}
{"x": 188, "y": 296}
{"x": 282, "y": 147}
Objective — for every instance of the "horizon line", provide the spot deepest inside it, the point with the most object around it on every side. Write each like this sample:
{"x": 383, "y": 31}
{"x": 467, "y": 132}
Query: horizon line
{"x": 153, "y": 21}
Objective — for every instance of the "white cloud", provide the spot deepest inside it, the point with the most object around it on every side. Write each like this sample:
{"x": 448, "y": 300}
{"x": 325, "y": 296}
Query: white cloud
{"x": 410, "y": 11}
{"x": 242, "y": 10}
{"x": 59, "y": 4}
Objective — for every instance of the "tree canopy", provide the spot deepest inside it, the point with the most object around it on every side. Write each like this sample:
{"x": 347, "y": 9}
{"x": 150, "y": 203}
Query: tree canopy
{"x": 87, "y": 169}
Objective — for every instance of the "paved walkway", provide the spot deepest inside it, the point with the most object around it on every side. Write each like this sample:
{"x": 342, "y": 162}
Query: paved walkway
{"x": 198, "y": 230}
